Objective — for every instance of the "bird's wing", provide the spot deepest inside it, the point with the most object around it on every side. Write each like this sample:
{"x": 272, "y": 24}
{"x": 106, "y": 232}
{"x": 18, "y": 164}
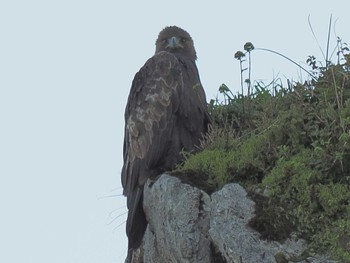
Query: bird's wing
{"x": 149, "y": 117}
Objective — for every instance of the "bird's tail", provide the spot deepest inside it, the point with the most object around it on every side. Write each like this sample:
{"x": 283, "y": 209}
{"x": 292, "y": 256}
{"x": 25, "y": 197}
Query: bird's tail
{"x": 136, "y": 222}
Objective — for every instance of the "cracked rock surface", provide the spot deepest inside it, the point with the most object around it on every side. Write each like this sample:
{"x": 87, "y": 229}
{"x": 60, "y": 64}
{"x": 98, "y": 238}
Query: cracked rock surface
{"x": 188, "y": 225}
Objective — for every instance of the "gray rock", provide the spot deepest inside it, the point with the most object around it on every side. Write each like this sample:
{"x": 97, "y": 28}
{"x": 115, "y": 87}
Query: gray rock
{"x": 187, "y": 225}
{"x": 231, "y": 210}
{"x": 176, "y": 220}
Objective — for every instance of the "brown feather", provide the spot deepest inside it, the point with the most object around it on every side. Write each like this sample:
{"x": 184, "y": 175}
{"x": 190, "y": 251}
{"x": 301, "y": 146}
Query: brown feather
{"x": 165, "y": 114}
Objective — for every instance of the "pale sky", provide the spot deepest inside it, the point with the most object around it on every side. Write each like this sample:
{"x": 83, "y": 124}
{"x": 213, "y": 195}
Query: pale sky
{"x": 66, "y": 68}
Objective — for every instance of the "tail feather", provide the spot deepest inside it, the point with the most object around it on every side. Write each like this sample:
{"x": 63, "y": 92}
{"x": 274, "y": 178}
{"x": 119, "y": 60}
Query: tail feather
{"x": 136, "y": 222}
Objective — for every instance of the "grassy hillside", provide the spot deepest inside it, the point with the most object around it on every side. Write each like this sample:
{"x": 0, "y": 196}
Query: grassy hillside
{"x": 290, "y": 148}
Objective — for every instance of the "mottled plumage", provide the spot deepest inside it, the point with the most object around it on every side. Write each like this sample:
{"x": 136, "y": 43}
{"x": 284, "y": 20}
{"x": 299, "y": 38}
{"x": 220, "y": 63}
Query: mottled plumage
{"x": 166, "y": 113}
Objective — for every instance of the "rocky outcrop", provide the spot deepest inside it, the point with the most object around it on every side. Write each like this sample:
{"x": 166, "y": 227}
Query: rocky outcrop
{"x": 178, "y": 223}
{"x": 188, "y": 225}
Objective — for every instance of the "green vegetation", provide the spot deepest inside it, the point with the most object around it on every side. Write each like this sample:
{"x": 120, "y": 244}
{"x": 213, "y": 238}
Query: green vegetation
{"x": 290, "y": 148}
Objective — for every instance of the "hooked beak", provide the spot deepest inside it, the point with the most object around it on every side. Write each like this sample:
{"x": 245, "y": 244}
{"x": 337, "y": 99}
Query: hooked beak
{"x": 173, "y": 43}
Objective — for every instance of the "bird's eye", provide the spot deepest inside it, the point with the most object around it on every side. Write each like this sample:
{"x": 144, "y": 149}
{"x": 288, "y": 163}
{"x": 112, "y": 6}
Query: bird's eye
{"x": 164, "y": 41}
{"x": 183, "y": 40}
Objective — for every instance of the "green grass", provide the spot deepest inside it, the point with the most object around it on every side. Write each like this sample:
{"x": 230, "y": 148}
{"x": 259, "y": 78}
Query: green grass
{"x": 290, "y": 148}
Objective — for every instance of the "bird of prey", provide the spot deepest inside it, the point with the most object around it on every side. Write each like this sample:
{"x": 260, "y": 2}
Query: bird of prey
{"x": 166, "y": 114}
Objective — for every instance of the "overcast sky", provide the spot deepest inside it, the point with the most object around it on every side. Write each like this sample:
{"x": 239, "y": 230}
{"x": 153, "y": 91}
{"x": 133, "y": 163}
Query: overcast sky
{"x": 65, "y": 72}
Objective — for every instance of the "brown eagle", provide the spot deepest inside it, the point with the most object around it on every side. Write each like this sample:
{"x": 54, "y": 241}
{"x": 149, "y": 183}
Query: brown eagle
{"x": 166, "y": 113}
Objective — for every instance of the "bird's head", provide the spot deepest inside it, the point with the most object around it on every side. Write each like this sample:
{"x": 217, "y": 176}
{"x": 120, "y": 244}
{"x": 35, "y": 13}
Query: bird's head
{"x": 176, "y": 40}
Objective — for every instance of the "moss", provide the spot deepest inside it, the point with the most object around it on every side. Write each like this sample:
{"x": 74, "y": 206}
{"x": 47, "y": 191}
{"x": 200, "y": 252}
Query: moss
{"x": 271, "y": 219}
{"x": 212, "y": 163}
